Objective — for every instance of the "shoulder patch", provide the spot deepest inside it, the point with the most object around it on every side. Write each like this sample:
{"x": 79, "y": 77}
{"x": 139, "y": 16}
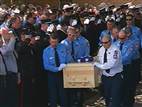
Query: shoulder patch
{"x": 115, "y": 56}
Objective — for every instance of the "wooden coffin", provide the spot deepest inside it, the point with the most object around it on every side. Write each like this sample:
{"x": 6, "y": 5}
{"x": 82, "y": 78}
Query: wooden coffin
{"x": 80, "y": 75}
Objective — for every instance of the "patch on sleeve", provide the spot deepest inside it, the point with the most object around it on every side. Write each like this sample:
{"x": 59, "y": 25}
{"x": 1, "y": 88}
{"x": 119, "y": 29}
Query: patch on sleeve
{"x": 115, "y": 56}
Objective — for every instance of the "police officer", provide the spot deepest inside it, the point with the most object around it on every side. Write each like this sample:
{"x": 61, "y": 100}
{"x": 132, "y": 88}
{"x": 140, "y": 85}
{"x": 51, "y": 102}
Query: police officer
{"x": 115, "y": 32}
{"x": 81, "y": 43}
{"x": 54, "y": 59}
{"x": 135, "y": 30}
{"x": 127, "y": 51}
{"x": 69, "y": 44}
{"x": 136, "y": 57}
{"x": 70, "y": 49}
{"x": 110, "y": 24}
{"x": 110, "y": 63}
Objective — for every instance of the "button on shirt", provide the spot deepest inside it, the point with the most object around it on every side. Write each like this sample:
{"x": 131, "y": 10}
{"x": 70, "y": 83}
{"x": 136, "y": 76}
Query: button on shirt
{"x": 114, "y": 62}
{"x": 49, "y": 57}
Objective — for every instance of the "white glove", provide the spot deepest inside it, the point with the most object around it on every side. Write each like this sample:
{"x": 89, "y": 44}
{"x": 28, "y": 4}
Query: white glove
{"x": 61, "y": 67}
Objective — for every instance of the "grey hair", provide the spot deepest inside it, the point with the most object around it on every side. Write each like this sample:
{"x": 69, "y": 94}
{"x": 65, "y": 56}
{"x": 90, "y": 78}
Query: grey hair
{"x": 127, "y": 30}
{"x": 106, "y": 36}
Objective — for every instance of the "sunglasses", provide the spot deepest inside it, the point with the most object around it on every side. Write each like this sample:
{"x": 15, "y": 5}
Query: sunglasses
{"x": 105, "y": 42}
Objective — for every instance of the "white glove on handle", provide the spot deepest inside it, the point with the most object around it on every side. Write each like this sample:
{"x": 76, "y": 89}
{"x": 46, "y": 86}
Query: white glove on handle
{"x": 61, "y": 67}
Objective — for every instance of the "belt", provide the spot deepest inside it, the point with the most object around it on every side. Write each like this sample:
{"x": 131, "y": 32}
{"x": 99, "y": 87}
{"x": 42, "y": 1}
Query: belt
{"x": 111, "y": 77}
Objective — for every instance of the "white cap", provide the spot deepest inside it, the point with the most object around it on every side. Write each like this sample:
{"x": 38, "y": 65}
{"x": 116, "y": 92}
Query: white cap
{"x": 86, "y": 21}
{"x": 16, "y": 10}
{"x": 66, "y": 6}
{"x": 74, "y": 22}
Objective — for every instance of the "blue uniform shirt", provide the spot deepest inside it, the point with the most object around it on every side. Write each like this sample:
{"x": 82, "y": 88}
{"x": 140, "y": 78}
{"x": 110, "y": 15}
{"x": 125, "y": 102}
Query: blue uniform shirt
{"x": 49, "y": 57}
{"x": 136, "y": 31}
{"x": 136, "y": 43}
{"x": 127, "y": 51}
{"x": 68, "y": 47}
{"x": 82, "y": 47}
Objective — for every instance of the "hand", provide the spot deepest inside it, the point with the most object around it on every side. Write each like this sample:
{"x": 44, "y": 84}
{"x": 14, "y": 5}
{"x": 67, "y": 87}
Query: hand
{"x": 62, "y": 66}
{"x": 94, "y": 64}
{"x": 60, "y": 69}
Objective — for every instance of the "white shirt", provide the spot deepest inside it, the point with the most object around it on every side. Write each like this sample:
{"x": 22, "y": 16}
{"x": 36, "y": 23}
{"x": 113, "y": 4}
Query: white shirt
{"x": 114, "y": 61}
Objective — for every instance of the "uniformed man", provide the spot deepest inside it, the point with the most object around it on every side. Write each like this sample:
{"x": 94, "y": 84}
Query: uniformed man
{"x": 69, "y": 44}
{"x": 81, "y": 43}
{"x": 136, "y": 58}
{"x": 110, "y": 63}
{"x": 54, "y": 59}
{"x": 115, "y": 32}
{"x": 110, "y": 24}
{"x": 127, "y": 51}
{"x": 135, "y": 30}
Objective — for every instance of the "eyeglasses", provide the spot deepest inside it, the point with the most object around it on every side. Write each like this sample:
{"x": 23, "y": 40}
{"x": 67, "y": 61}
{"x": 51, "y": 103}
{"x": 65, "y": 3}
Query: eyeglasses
{"x": 105, "y": 42}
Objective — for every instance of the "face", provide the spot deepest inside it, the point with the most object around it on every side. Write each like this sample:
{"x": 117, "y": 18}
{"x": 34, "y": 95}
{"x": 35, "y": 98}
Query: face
{"x": 17, "y": 23}
{"x": 71, "y": 36}
{"x": 53, "y": 42}
{"x": 44, "y": 27}
{"x": 109, "y": 25}
{"x": 32, "y": 20}
{"x": 106, "y": 42}
{"x": 129, "y": 21}
{"x": 121, "y": 36}
{"x": 115, "y": 32}
{"x": 77, "y": 32}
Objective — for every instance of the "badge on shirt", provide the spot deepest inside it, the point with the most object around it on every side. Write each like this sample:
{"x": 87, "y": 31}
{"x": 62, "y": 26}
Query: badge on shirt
{"x": 115, "y": 56}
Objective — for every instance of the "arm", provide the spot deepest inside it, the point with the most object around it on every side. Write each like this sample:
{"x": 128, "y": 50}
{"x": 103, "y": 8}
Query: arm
{"x": 47, "y": 65}
{"x": 112, "y": 61}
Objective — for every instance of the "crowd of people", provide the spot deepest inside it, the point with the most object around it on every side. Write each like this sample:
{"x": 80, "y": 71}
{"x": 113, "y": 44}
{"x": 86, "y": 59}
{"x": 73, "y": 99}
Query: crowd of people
{"x": 36, "y": 43}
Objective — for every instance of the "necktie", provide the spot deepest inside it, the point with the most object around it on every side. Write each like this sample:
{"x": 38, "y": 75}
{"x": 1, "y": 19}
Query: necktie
{"x": 114, "y": 40}
{"x": 57, "y": 61}
{"x": 109, "y": 33}
{"x": 105, "y": 60}
{"x": 72, "y": 52}
{"x": 121, "y": 46}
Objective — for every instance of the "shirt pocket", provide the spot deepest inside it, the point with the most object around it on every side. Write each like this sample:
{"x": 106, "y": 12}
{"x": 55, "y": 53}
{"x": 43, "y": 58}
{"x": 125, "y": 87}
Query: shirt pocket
{"x": 52, "y": 60}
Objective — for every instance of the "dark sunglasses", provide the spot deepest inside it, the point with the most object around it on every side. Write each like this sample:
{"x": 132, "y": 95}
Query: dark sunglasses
{"x": 105, "y": 42}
